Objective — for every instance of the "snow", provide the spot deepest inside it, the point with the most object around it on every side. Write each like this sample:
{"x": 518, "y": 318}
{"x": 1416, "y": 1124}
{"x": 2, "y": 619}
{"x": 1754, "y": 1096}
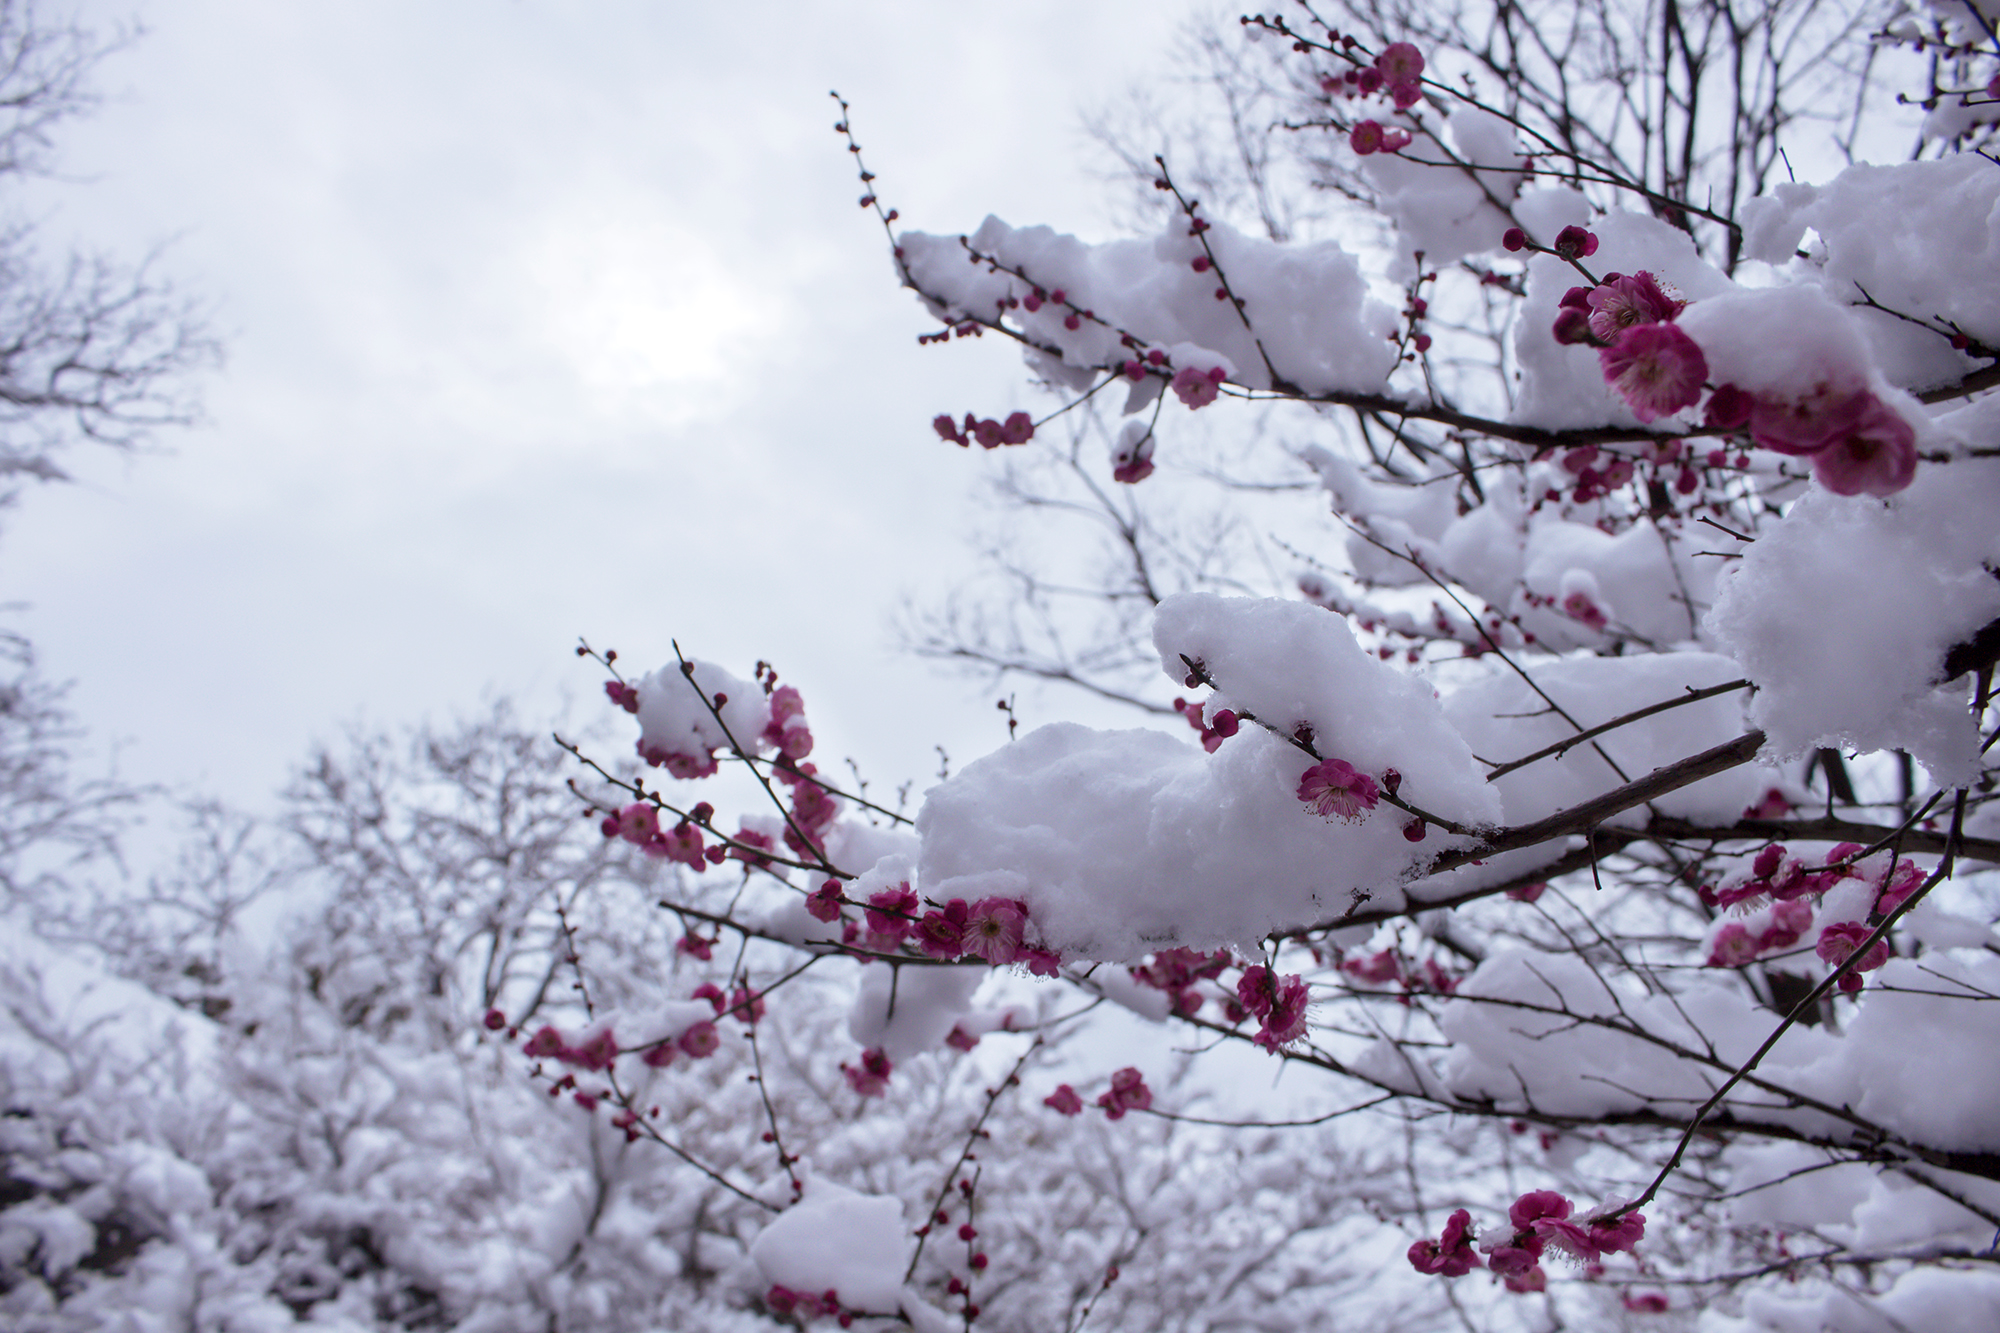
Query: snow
{"x": 1446, "y": 211}
{"x": 1308, "y": 304}
{"x": 1781, "y": 341}
{"x": 1125, "y": 842}
{"x": 675, "y": 719}
{"x": 835, "y": 1239}
{"x": 1841, "y": 614}
{"x": 909, "y": 1010}
{"x": 1502, "y": 719}
{"x": 1921, "y": 238}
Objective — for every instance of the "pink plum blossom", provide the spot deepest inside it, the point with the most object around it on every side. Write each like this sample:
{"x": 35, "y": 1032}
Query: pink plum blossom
{"x": 1873, "y": 454}
{"x": 891, "y": 916}
{"x": 700, "y": 1040}
{"x": 1400, "y": 62}
{"x": 1734, "y": 946}
{"x": 1576, "y": 243}
{"x": 681, "y": 843}
{"x": 1128, "y": 1092}
{"x": 1198, "y": 388}
{"x": 824, "y": 903}
{"x": 1839, "y": 942}
{"x": 1728, "y": 408}
{"x": 993, "y": 929}
{"x": 685, "y": 766}
{"x": 1285, "y": 1015}
{"x": 1335, "y": 789}
{"x": 638, "y": 822}
{"x": 1064, "y": 1100}
{"x": 1041, "y": 962}
{"x": 1619, "y": 1235}
{"x": 1451, "y": 1255}
{"x": 1656, "y": 369}
{"x": 1378, "y": 969}
{"x": 1581, "y": 607}
{"x": 1789, "y": 921}
{"x": 1631, "y": 299}
{"x": 871, "y": 1077}
{"x": 1535, "y": 1205}
{"x": 1572, "y": 326}
{"x": 1132, "y": 465}
{"x": 941, "y": 934}
{"x": 1806, "y": 425}
{"x": 1904, "y": 881}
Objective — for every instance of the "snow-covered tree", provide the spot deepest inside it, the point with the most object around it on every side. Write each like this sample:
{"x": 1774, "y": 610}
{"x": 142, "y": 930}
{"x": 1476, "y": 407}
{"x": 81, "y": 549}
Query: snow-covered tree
{"x": 1599, "y": 814}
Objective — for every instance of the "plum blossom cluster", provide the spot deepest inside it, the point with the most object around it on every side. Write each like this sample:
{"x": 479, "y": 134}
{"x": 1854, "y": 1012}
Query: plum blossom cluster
{"x": 1213, "y": 731}
{"x": 1385, "y": 967}
{"x": 1398, "y": 70}
{"x": 1279, "y": 1003}
{"x": 1178, "y": 972}
{"x": 1369, "y": 136}
{"x": 1128, "y": 1092}
{"x": 639, "y": 824}
{"x": 993, "y": 931}
{"x": 1780, "y": 890}
{"x": 806, "y": 1306}
{"x": 1018, "y": 428}
{"x": 870, "y": 1078}
{"x": 1858, "y": 444}
{"x": 1540, "y": 1219}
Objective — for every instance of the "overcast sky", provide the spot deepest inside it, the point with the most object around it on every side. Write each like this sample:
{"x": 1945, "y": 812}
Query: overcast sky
{"x": 543, "y": 319}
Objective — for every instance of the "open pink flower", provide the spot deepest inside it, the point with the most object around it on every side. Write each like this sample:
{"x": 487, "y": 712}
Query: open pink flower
{"x": 638, "y": 822}
{"x": 1128, "y": 1093}
{"x": 1874, "y": 453}
{"x": 1656, "y": 369}
{"x": 1800, "y": 426}
{"x": 1451, "y": 1255}
{"x": 871, "y": 1077}
{"x": 1285, "y": 1016}
{"x": 1789, "y": 921}
{"x": 1064, "y": 1100}
{"x": 891, "y": 916}
{"x": 993, "y": 929}
{"x": 1198, "y": 388}
{"x": 1617, "y": 1235}
{"x": 1839, "y": 942}
{"x": 681, "y": 843}
{"x": 1734, "y": 946}
{"x": 941, "y": 934}
{"x": 824, "y": 903}
{"x": 1535, "y": 1205}
{"x": 1630, "y": 299}
{"x": 1511, "y": 1260}
{"x": 1906, "y": 880}
{"x": 1400, "y": 62}
{"x": 1335, "y": 789}
{"x": 1568, "y": 1237}
{"x": 700, "y": 1040}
